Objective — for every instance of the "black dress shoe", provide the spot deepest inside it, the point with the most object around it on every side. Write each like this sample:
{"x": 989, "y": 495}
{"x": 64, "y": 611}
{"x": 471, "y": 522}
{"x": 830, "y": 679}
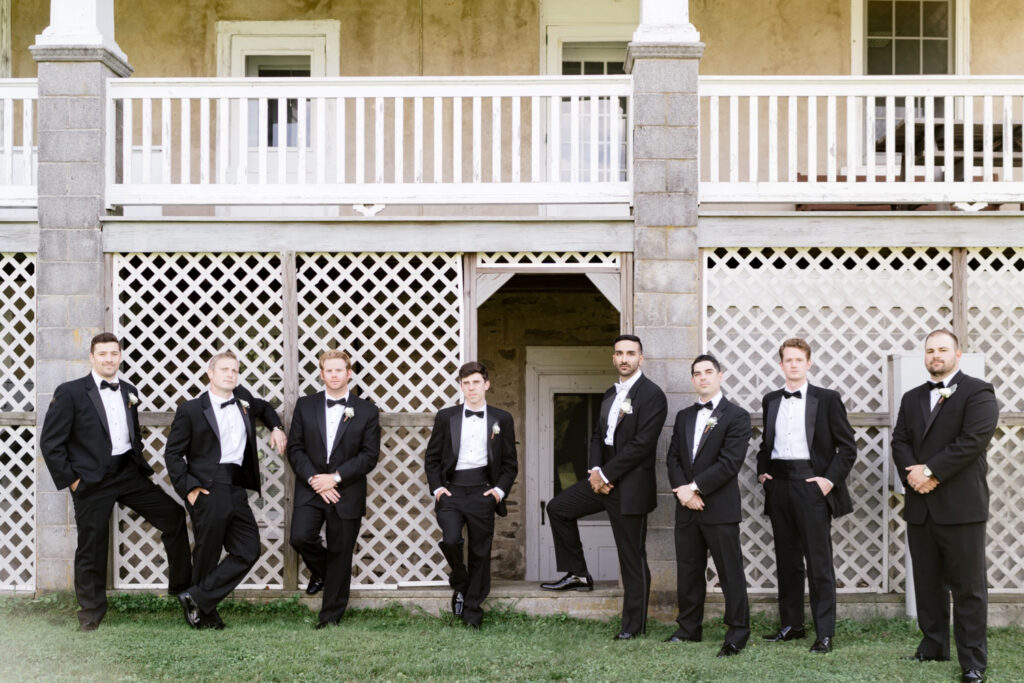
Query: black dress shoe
{"x": 458, "y": 602}
{"x": 570, "y": 582}
{"x": 786, "y": 633}
{"x": 315, "y": 585}
{"x": 321, "y": 625}
{"x": 211, "y": 621}
{"x": 625, "y": 635}
{"x": 973, "y": 676}
{"x": 822, "y": 646}
{"x": 190, "y": 608}
{"x": 918, "y": 657}
{"x": 88, "y": 626}
{"x": 680, "y": 637}
{"x": 729, "y": 650}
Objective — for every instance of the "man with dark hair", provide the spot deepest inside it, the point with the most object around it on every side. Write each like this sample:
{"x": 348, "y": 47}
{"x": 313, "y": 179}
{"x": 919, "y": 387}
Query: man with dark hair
{"x": 709, "y": 445}
{"x": 807, "y": 450}
{"x": 939, "y": 444}
{"x": 471, "y": 464}
{"x": 333, "y": 444}
{"x": 622, "y": 482}
{"x": 212, "y": 461}
{"x": 92, "y": 444}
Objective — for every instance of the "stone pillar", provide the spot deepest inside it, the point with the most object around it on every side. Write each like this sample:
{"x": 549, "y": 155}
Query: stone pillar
{"x": 76, "y": 55}
{"x": 663, "y": 59}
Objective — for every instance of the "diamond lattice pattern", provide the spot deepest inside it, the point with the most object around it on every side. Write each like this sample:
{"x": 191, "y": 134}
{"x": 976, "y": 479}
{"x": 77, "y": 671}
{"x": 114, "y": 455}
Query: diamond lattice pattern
{"x": 17, "y": 508}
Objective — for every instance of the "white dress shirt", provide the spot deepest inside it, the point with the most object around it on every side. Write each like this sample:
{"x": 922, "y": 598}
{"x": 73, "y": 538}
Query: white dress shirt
{"x": 621, "y": 390}
{"x": 790, "y": 428}
{"x": 117, "y": 416}
{"x": 703, "y": 415}
{"x": 933, "y": 395}
{"x": 232, "y": 430}
{"x": 335, "y": 415}
{"x": 473, "y": 444}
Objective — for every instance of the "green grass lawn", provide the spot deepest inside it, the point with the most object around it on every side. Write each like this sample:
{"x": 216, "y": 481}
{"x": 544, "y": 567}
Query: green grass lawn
{"x": 145, "y": 638}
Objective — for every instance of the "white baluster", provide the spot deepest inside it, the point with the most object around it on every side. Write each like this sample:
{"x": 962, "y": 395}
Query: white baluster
{"x": 204, "y": 142}
{"x": 147, "y": 137}
{"x": 517, "y": 156}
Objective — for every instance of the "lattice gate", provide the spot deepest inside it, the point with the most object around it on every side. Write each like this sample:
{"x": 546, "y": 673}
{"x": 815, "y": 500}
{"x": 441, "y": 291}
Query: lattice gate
{"x": 17, "y": 420}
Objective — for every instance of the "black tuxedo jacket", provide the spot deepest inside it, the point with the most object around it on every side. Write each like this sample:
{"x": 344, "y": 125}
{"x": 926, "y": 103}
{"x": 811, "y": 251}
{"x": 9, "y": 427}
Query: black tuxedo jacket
{"x": 830, "y": 439}
{"x": 193, "y": 445}
{"x": 720, "y": 455}
{"x": 353, "y": 454}
{"x": 75, "y": 439}
{"x": 631, "y": 468}
{"x": 443, "y": 450}
{"x": 953, "y": 445}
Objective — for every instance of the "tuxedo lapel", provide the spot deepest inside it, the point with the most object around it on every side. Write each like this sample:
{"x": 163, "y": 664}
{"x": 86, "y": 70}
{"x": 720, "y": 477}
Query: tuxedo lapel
{"x": 492, "y": 420}
{"x": 810, "y": 414}
{"x": 128, "y": 413}
{"x": 925, "y": 404}
{"x": 770, "y": 418}
{"x": 342, "y": 426}
{"x": 455, "y": 429}
{"x": 716, "y": 414}
{"x": 606, "y": 408}
{"x": 320, "y": 417}
{"x": 249, "y": 435}
{"x": 94, "y": 395}
{"x": 689, "y": 427}
{"x": 207, "y": 406}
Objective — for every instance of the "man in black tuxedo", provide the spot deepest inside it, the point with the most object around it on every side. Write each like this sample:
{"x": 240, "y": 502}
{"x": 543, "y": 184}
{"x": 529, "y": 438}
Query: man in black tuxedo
{"x": 709, "y": 445}
{"x": 622, "y": 481}
{"x": 333, "y": 443}
{"x": 92, "y": 444}
{"x": 807, "y": 450}
{"x": 942, "y": 432}
{"x": 211, "y": 458}
{"x": 471, "y": 464}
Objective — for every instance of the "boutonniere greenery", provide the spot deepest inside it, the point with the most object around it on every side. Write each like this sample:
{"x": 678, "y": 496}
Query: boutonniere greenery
{"x": 710, "y": 424}
{"x": 349, "y": 413}
{"x": 133, "y": 400}
{"x": 626, "y": 408}
{"x": 946, "y": 392}
{"x": 495, "y": 430}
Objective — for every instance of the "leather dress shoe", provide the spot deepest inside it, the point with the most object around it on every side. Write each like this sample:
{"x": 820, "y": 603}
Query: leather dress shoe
{"x": 315, "y": 585}
{"x": 211, "y": 621}
{"x": 321, "y": 625}
{"x": 458, "y": 602}
{"x": 570, "y": 582}
{"x": 822, "y": 646}
{"x": 918, "y": 657}
{"x": 190, "y": 608}
{"x": 680, "y": 637}
{"x": 626, "y": 635}
{"x": 786, "y": 633}
{"x": 88, "y": 626}
{"x": 728, "y": 650}
{"x": 973, "y": 676}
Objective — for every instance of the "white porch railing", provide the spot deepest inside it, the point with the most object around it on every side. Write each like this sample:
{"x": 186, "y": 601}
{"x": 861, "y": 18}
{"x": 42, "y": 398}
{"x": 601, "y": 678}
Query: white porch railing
{"x": 821, "y": 139}
{"x": 17, "y": 142}
{"x": 364, "y": 141}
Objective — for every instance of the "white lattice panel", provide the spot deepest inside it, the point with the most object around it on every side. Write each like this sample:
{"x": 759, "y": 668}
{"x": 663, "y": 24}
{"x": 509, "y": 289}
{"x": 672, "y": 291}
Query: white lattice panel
{"x": 854, "y": 306}
{"x": 139, "y": 558}
{"x": 17, "y": 331}
{"x": 1006, "y": 523}
{"x": 523, "y": 260}
{"x": 995, "y": 283}
{"x": 17, "y": 508}
{"x": 398, "y": 315}
{"x": 174, "y": 310}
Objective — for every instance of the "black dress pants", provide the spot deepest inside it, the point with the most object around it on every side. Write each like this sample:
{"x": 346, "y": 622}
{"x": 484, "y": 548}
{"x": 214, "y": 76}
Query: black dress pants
{"x": 333, "y": 562}
{"x": 94, "y": 504}
{"x": 468, "y": 507}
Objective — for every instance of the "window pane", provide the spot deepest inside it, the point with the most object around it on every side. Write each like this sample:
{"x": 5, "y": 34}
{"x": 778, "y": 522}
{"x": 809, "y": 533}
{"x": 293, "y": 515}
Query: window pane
{"x": 879, "y": 57}
{"x": 908, "y": 57}
{"x": 616, "y": 69}
{"x": 571, "y": 68}
{"x": 593, "y": 68}
{"x": 879, "y": 18}
{"x": 936, "y": 57}
{"x": 936, "y": 20}
{"x": 908, "y": 19}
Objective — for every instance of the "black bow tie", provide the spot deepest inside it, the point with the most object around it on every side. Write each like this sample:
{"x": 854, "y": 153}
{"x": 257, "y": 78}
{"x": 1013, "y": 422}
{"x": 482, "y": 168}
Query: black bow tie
{"x": 331, "y": 402}
{"x": 936, "y": 385}
{"x": 232, "y": 402}
{"x": 795, "y": 394}
{"x": 704, "y": 406}
{"x": 475, "y": 413}
{"x": 104, "y": 384}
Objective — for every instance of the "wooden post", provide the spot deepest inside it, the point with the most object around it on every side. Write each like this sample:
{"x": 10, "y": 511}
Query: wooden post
{"x": 469, "y": 319}
{"x": 291, "y": 394}
{"x": 960, "y": 296}
{"x": 5, "y": 38}
{"x": 626, "y": 289}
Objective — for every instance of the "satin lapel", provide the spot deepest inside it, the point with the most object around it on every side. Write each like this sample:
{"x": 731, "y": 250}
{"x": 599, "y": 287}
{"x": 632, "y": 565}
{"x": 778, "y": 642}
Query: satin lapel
{"x": 606, "y": 408}
{"x": 925, "y": 402}
{"x": 770, "y": 418}
{"x": 204, "y": 403}
{"x": 94, "y": 395}
{"x": 320, "y": 414}
{"x": 492, "y": 420}
{"x": 716, "y": 414}
{"x": 455, "y": 429}
{"x": 338, "y": 434}
{"x": 630, "y": 396}
{"x": 128, "y": 413}
{"x": 249, "y": 435}
{"x": 689, "y": 428}
{"x": 810, "y": 415}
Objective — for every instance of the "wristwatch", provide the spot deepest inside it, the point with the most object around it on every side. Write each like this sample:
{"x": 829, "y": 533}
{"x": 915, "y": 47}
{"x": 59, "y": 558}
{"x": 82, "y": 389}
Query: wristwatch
{"x": 693, "y": 487}
{"x": 337, "y": 478}
{"x": 927, "y": 472}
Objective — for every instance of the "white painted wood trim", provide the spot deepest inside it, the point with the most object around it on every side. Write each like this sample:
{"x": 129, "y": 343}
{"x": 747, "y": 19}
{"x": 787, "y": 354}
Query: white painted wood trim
{"x": 19, "y": 235}
{"x": 554, "y": 37}
{"x": 320, "y": 39}
{"x": 609, "y": 285}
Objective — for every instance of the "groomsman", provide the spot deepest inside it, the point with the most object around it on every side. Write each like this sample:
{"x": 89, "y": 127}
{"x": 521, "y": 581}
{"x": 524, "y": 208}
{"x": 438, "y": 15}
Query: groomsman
{"x": 211, "y": 459}
{"x": 709, "y": 445}
{"x": 622, "y": 482}
{"x": 942, "y": 433}
{"x": 807, "y": 450}
{"x": 471, "y": 464}
{"x": 333, "y": 443}
{"x": 92, "y": 444}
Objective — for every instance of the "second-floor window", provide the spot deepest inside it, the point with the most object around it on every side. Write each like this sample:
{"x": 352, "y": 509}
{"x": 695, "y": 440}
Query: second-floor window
{"x": 594, "y": 59}
{"x": 909, "y": 37}
{"x": 278, "y": 66}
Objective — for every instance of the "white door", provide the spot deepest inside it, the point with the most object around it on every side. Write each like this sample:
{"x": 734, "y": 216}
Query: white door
{"x": 564, "y": 391}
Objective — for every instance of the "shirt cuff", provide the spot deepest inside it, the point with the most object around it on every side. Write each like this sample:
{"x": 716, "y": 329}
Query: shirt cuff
{"x": 434, "y": 492}
{"x": 501, "y": 494}
{"x": 603, "y": 478}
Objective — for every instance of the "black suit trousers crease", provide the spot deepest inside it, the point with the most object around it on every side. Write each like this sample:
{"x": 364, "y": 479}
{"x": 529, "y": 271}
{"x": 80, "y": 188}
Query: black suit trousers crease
{"x": 94, "y": 504}
{"x": 333, "y": 562}
{"x": 470, "y": 562}
{"x": 630, "y": 532}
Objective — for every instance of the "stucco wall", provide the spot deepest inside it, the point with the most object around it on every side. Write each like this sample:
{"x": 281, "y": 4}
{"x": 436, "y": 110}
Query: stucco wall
{"x": 996, "y": 27}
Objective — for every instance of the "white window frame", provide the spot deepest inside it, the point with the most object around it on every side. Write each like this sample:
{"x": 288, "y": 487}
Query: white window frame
{"x": 320, "y": 40}
{"x": 961, "y": 37}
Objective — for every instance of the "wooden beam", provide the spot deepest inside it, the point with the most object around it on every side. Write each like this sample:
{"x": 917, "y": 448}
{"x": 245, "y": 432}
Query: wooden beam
{"x": 960, "y": 297}
{"x": 626, "y": 285}
{"x": 291, "y": 394}
{"x": 5, "y": 38}
{"x": 19, "y": 235}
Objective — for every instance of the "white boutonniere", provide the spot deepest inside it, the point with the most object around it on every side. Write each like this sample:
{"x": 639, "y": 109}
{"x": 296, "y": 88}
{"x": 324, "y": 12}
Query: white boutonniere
{"x": 244, "y": 404}
{"x": 133, "y": 400}
{"x": 495, "y": 430}
{"x": 350, "y": 412}
{"x": 626, "y": 408}
{"x": 710, "y": 424}
{"x": 946, "y": 392}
